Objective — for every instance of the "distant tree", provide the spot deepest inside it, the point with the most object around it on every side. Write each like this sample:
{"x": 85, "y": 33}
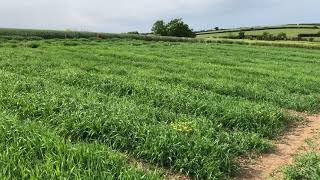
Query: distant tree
{"x": 242, "y": 35}
{"x": 175, "y": 27}
{"x": 67, "y": 31}
{"x": 133, "y": 32}
{"x": 267, "y": 36}
{"x": 159, "y": 28}
{"x": 282, "y": 36}
{"x": 178, "y": 28}
{"x": 216, "y": 28}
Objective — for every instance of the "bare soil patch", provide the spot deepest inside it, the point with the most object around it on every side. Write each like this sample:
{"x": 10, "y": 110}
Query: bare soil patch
{"x": 268, "y": 166}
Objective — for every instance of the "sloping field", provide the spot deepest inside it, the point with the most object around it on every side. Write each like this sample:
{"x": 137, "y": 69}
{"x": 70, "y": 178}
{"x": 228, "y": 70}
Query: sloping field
{"x": 73, "y": 108}
{"x": 290, "y": 30}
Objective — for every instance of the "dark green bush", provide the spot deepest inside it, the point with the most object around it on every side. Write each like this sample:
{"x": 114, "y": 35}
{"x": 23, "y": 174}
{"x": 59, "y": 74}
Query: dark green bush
{"x": 70, "y": 43}
{"x": 267, "y": 36}
{"x": 282, "y": 36}
{"x": 242, "y": 35}
{"x": 32, "y": 45}
{"x": 159, "y": 28}
{"x": 14, "y": 45}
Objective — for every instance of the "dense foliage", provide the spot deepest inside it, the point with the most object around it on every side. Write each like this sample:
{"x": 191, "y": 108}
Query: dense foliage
{"x": 242, "y": 35}
{"x": 175, "y": 27}
{"x": 160, "y": 28}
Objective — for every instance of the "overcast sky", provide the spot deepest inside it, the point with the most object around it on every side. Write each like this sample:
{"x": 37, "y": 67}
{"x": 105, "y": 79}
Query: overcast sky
{"x": 139, "y": 15}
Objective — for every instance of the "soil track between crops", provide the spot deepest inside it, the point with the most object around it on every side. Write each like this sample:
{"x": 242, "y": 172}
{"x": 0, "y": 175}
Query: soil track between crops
{"x": 268, "y": 165}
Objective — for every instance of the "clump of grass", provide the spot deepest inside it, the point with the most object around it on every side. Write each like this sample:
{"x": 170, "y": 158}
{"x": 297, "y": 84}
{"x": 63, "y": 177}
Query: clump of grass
{"x": 14, "y": 45}
{"x": 306, "y": 166}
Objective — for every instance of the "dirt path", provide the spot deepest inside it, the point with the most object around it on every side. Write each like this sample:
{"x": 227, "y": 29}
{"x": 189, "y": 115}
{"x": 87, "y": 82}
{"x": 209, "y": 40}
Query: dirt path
{"x": 289, "y": 145}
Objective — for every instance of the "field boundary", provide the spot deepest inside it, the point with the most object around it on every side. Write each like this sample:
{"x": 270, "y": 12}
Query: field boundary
{"x": 286, "y": 147}
{"x": 283, "y": 44}
{"x": 56, "y": 34}
{"x": 256, "y": 29}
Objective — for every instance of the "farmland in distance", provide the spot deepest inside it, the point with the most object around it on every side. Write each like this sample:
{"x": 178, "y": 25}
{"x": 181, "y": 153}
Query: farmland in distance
{"x": 292, "y": 31}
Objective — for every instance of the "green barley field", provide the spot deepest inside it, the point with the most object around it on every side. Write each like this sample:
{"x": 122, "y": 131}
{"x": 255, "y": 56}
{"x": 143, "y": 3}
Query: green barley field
{"x": 79, "y": 109}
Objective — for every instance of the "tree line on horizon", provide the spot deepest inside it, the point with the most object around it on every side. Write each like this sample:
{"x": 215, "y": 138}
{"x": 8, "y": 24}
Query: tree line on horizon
{"x": 175, "y": 27}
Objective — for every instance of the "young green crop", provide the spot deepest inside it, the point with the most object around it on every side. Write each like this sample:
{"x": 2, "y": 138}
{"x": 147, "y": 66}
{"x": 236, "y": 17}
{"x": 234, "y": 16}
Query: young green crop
{"x": 188, "y": 107}
{"x": 29, "y": 150}
{"x": 306, "y": 166}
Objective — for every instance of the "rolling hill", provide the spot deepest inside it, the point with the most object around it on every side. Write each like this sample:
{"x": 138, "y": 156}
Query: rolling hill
{"x": 291, "y": 30}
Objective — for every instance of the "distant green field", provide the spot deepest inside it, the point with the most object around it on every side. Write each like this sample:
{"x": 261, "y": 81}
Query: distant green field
{"x": 290, "y": 30}
{"x": 71, "y": 108}
{"x": 298, "y": 44}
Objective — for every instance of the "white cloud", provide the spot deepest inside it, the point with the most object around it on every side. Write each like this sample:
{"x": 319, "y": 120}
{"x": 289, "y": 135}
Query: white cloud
{"x": 129, "y": 15}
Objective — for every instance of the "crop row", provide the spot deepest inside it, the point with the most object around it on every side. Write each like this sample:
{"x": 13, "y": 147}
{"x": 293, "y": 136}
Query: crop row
{"x": 83, "y": 115}
{"x": 29, "y": 150}
{"x": 291, "y": 75}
